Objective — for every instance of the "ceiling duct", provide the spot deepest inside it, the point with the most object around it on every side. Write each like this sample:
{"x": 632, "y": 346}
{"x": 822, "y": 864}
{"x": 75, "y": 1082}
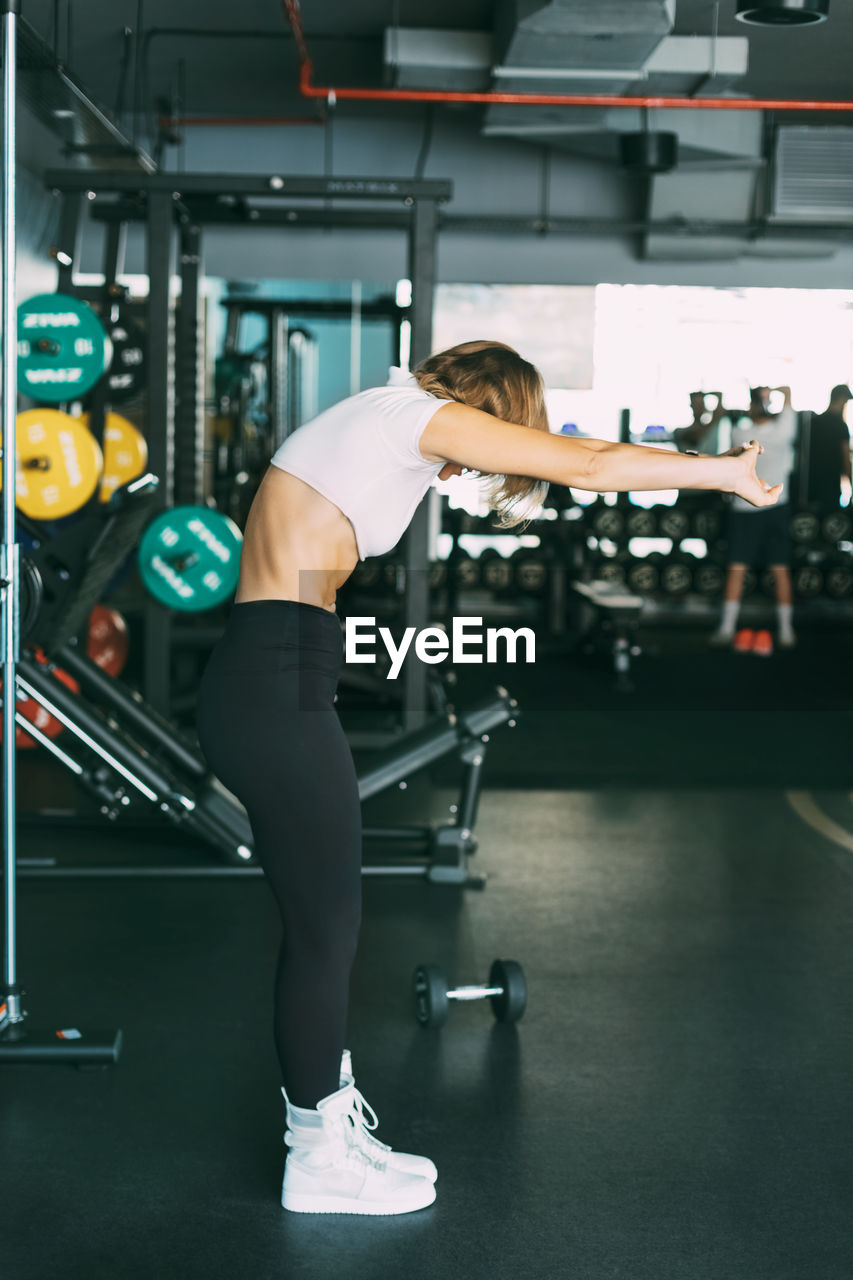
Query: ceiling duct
{"x": 782, "y": 13}
{"x": 648, "y": 152}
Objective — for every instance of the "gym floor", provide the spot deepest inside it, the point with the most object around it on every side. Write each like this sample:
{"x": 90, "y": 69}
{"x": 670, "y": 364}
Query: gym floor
{"x": 675, "y": 1104}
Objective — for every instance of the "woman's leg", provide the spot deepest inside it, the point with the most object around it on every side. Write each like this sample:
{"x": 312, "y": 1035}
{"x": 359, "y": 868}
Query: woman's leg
{"x": 269, "y": 730}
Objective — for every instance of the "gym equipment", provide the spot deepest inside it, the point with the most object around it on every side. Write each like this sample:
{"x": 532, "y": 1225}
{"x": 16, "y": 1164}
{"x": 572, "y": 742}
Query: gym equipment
{"x": 26, "y": 709}
{"x": 20, "y": 1043}
{"x": 125, "y": 453}
{"x": 709, "y": 578}
{"x": 674, "y": 523}
{"x": 707, "y": 524}
{"x": 808, "y": 582}
{"x": 805, "y": 527}
{"x": 643, "y": 577}
{"x": 108, "y": 639}
{"x": 641, "y": 522}
{"x": 676, "y": 576}
{"x": 506, "y": 990}
{"x": 610, "y": 569}
{"x": 835, "y": 527}
{"x": 465, "y": 570}
{"x": 126, "y": 374}
{"x": 530, "y": 571}
{"x": 607, "y": 521}
{"x": 63, "y": 349}
{"x": 496, "y": 572}
{"x": 617, "y": 617}
{"x": 189, "y": 558}
{"x": 838, "y": 578}
{"x": 59, "y": 464}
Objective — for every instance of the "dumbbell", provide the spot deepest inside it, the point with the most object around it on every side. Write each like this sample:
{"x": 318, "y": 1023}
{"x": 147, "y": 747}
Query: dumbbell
{"x": 641, "y": 522}
{"x": 506, "y": 989}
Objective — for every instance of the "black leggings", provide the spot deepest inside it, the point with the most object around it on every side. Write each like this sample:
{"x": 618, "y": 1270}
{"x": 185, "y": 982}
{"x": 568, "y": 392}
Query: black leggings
{"x": 270, "y": 732}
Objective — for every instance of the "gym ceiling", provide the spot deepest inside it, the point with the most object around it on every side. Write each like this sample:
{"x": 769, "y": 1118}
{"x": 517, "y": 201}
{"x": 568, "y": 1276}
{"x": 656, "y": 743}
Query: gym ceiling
{"x": 252, "y": 68}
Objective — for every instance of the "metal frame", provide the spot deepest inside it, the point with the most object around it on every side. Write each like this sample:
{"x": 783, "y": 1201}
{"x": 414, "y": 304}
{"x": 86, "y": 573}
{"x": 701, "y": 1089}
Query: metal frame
{"x": 192, "y": 199}
{"x": 19, "y": 1044}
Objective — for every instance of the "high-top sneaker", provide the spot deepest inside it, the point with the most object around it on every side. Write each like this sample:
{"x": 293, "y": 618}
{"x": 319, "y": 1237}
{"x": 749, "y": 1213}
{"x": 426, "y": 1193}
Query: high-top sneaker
{"x": 328, "y": 1170}
{"x": 363, "y": 1128}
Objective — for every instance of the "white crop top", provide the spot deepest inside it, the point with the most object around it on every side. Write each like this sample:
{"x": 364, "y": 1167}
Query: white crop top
{"x": 362, "y": 454}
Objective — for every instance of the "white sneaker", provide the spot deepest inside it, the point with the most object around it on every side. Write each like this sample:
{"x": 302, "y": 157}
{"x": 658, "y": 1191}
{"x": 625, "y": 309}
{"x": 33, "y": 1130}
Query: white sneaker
{"x": 327, "y": 1171}
{"x": 420, "y": 1166}
{"x": 787, "y": 640}
{"x": 721, "y": 638}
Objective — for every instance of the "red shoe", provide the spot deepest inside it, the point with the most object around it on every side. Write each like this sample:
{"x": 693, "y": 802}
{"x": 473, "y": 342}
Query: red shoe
{"x": 744, "y": 641}
{"x": 763, "y": 644}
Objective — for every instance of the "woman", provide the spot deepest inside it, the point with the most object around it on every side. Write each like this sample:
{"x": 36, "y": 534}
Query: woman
{"x": 341, "y": 488}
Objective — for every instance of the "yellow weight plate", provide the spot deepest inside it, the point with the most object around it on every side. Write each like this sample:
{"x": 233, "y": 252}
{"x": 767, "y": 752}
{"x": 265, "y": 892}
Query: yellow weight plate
{"x": 125, "y": 453}
{"x": 59, "y": 464}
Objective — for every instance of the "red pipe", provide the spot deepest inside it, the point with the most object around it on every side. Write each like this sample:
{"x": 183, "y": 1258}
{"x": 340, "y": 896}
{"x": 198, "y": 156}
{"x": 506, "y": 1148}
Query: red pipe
{"x": 309, "y": 90}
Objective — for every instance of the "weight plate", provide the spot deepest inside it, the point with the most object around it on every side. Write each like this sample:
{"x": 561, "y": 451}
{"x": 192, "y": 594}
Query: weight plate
{"x": 608, "y": 522}
{"x": 58, "y": 464}
{"x": 805, "y": 526}
{"x": 708, "y": 579}
{"x": 125, "y": 453}
{"x": 63, "y": 349}
{"x": 466, "y": 573}
{"x": 496, "y": 572}
{"x": 673, "y": 523}
{"x": 108, "y": 639}
{"x": 838, "y": 581}
{"x": 510, "y": 1005}
{"x": 430, "y": 991}
{"x": 530, "y": 572}
{"x": 675, "y": 579}
{"x": 36, "y": 714}
{"x": 643, "y": 578}
{"x": 612, "y": 571}
{"x": 641, "y": 523}
{"x": 127, "y": 372}
{"x": 808, "y": 582}
{"x": 189, "y": 558}
{"x": 836, "y": 526}
{"x": 707, "y": 525}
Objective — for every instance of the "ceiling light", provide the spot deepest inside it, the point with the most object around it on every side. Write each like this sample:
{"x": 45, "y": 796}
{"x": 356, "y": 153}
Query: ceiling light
{"x": 782, "y": 13}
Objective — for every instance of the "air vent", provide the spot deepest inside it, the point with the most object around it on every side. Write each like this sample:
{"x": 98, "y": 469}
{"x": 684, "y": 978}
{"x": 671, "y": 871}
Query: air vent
{"x": 814, "y": 174}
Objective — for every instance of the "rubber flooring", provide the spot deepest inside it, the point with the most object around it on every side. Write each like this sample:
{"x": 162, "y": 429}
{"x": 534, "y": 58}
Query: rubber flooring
{"x": 675, "y": 1104}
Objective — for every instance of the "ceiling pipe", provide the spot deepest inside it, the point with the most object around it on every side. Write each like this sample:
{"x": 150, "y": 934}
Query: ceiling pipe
{"x": 332, "y": 95}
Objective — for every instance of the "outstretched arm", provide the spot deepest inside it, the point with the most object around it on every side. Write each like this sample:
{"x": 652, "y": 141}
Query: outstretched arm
{"x": 457, "y": 433}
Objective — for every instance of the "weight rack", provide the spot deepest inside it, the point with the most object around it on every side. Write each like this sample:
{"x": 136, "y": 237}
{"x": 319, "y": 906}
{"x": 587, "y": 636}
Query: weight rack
{"x": 167, "y": 202}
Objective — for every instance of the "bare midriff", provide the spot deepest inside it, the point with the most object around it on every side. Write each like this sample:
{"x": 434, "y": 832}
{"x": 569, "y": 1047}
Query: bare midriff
{"x": 297, "y": 545}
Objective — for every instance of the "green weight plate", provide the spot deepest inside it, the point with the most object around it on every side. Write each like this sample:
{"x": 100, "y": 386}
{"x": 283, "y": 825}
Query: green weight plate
{"x": 189, "y": 558}
{"x": 63, "y": 348}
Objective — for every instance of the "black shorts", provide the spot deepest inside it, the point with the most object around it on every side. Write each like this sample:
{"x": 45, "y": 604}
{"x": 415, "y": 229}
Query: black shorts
{"x": 759, "y": 538}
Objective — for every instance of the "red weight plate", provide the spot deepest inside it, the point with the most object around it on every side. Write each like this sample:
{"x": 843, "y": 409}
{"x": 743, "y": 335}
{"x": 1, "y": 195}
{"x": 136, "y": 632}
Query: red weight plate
{"x": 108, "y": 641}
{"x": 36, "y": 714}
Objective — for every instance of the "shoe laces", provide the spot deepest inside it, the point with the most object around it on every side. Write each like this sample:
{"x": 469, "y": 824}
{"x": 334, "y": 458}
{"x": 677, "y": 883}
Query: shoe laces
{"x": 359, "y": 1120}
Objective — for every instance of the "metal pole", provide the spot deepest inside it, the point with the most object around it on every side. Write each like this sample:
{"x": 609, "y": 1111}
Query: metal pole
{"x": 422, "y": 272}
{"x": 9, "y": 567}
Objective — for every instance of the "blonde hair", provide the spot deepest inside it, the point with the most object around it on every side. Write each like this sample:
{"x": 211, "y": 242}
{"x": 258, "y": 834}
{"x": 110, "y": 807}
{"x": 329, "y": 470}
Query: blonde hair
{"x": 493, "y": 377}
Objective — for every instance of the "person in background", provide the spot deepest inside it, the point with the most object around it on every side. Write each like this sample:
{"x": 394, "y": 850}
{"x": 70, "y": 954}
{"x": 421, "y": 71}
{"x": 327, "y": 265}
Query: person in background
{"x": 829, "y": 450}
{"x": 761, "y": 537}
{"x": 704, "y": 421}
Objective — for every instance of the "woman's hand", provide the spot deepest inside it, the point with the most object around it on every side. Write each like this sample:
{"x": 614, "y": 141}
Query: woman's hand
{"x": 746, "y": 484}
